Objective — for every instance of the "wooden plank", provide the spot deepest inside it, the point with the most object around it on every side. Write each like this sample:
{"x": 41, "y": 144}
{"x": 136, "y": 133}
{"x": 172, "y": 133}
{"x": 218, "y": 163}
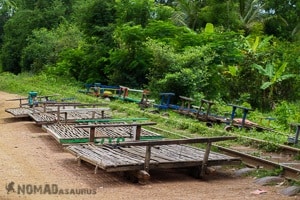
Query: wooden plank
{"x": 52, "y": 104}
{"x": 181, "y": 152}
{"x": 178, "y": 141}
{"x": 58, "y": 105}
{"x": 109, "y": 157}
{"x": 114, "y": 125}
{"x": 22, "y": 111}
{"x": 72, "y": 117}
{"x": 159, "y": 156}
{"x": 66, "y": 133}
{"x": 92, "y": 134}
{"x": 94, "y": 112}
{"x": 207, "y": 101}
{"x": 111, "y": 120}
{"x": 134, "y": 153}
{"x": 137, "y": 133}
{"x": 147, "y": 159}
{"x": 241, "y": 107}
{"x": 83, "y": 110}
{"x": 18, "y": 99}
{"x": 186, "y": 98}
{"x": 43, "y": 117}
{"x": 205, "y": 159}
{"x": 74, "y": 104}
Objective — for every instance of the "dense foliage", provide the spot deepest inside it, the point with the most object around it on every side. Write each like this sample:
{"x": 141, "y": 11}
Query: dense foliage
{"x": 249, "y": 52}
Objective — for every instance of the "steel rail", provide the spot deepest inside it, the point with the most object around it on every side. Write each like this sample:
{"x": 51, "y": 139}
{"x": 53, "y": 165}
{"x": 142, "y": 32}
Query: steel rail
{"x": 257, "y": 162}
{"x": 283, "y": 148}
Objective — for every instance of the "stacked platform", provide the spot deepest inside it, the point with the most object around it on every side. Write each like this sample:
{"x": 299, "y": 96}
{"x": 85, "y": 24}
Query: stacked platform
{"x": 121, "y": 145}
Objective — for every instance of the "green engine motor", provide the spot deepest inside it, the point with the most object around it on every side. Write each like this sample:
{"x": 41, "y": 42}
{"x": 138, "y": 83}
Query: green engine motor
{"x": 32, "y": 99}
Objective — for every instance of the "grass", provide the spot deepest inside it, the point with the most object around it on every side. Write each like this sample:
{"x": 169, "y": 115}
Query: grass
{"x": 167, "y": 120}
{"x": 259, "y": 173}
{"x": 24, "y": 83}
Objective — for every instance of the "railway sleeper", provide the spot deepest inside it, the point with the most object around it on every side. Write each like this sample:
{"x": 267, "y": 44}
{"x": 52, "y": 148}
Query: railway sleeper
{"x": 137, "y": 176}
{"x": 197, "y": 170}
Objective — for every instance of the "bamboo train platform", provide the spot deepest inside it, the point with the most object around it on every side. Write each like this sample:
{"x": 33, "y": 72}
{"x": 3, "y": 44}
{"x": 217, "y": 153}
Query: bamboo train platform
{"x": 28, "y": 105}
{"x": 22, "y": 112}
{"x": 70, "y": 116}
{"x": 67, "y": 134}
{"x": 70, "y": 112}
{"x": 140, "y": 157}
{"x": 25, "y": 111}
{"x": 48, "y": 112}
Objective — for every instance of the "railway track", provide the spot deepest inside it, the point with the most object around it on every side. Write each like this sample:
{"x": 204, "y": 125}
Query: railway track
{"x": 284, "y": 160}
{"x": 257, "y": 162}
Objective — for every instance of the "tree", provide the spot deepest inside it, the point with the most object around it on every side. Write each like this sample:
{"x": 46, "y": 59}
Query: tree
{"x": 45, "y": 46}
{"x": 165, "y": 2}
{"x": 128, "y": 62}
{"x": 251, "y": 12}
{"x": 136, "y": 12}
{"x": 289, "y": 12}
{"x": 96, "y": 18}
{"x": 21, "y": 25}
{"x": 188, "y": 13}
{"x": 16, "y": 33}
{"x": 273, "y": 76}
{"x": 10, "y": 3}
{"x": 266, "y": 52}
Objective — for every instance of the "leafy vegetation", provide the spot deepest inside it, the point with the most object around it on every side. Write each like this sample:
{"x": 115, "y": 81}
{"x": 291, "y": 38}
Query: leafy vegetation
{"x": 167, "y": 120}
{"x": 178, "y": 46}
{"x": 263, "y": 173}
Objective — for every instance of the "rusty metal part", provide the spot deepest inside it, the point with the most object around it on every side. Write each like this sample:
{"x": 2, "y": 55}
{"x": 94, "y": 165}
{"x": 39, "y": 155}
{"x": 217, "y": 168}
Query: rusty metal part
{"x": 288, "y": 172}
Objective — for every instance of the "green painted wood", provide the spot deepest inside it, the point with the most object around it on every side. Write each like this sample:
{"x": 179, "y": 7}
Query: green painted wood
{"x": 105, "y": 140}
{"x": 110, "y": 120}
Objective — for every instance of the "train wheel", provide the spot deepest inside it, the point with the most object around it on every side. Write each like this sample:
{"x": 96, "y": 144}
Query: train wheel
{"x": 228, "y": 128}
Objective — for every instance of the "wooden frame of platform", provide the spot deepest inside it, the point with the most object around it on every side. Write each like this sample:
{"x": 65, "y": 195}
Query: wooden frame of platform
{"x": 21, "y": 99}
{"x": 155, "y": 154}
{"x": 136, "y": 133}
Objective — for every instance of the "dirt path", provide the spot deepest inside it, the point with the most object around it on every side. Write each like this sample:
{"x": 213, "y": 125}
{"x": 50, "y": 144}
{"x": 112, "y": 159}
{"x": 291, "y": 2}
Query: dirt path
{"x": 38, "y": 166}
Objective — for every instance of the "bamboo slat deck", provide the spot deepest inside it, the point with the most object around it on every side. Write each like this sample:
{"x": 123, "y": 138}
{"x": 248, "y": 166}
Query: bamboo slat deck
{"x": 26, "y": 111}
{"x": 133, "y": 157}
{"x": 20, "y": 112}
{"x": 47, "y": 114}
{"x": 37, "y": 113}
{"x": 69, "y": 115}
{"x": 67, "y": 133}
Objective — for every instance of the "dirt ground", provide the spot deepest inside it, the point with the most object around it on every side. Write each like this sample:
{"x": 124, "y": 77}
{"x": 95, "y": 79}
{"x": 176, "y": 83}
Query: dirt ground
{"x": 34, "y": 166}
